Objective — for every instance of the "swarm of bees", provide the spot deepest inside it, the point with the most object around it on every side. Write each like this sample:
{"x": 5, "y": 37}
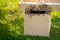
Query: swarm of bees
{"x": 38, "y": 9}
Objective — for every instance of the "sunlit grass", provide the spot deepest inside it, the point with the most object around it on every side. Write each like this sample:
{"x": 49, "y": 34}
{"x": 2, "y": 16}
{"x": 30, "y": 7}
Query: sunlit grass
{"x": 55, "y": 13}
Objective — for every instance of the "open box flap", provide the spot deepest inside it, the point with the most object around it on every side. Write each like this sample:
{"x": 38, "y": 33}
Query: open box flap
{"x": 54, "y": 7}
{"x": 49, "y": 1}
{"x": 54, "y": 4}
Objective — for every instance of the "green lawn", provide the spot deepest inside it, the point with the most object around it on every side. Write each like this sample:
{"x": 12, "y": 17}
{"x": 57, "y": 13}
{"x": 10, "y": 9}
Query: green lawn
{"x": 12, "y": 23}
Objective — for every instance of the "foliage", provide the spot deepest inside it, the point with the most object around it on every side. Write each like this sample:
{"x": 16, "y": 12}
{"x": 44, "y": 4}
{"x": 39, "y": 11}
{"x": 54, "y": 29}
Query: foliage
{"x": 10, "y": 21}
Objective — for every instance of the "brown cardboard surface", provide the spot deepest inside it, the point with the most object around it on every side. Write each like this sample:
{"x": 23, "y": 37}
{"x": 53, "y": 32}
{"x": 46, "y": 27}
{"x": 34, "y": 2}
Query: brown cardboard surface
{"x": 31, "y": 0}
{"x": 42, "y": 0}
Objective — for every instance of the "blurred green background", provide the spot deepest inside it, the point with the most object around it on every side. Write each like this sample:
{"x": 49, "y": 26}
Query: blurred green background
{"x": 12, "y": 20}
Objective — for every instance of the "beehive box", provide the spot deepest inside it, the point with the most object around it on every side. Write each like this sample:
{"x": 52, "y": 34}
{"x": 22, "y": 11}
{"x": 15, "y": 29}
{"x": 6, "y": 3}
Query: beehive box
{"x": 37, "y": 20}
{"x": 37, "y": 24}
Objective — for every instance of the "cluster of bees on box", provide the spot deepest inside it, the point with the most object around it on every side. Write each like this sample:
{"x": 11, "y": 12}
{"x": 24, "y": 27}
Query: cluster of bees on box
{"x": 38, "y": 9}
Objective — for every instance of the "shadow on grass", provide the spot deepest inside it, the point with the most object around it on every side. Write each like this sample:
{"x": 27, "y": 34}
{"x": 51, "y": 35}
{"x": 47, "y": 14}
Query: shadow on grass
{"x": 4, "y": 30}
